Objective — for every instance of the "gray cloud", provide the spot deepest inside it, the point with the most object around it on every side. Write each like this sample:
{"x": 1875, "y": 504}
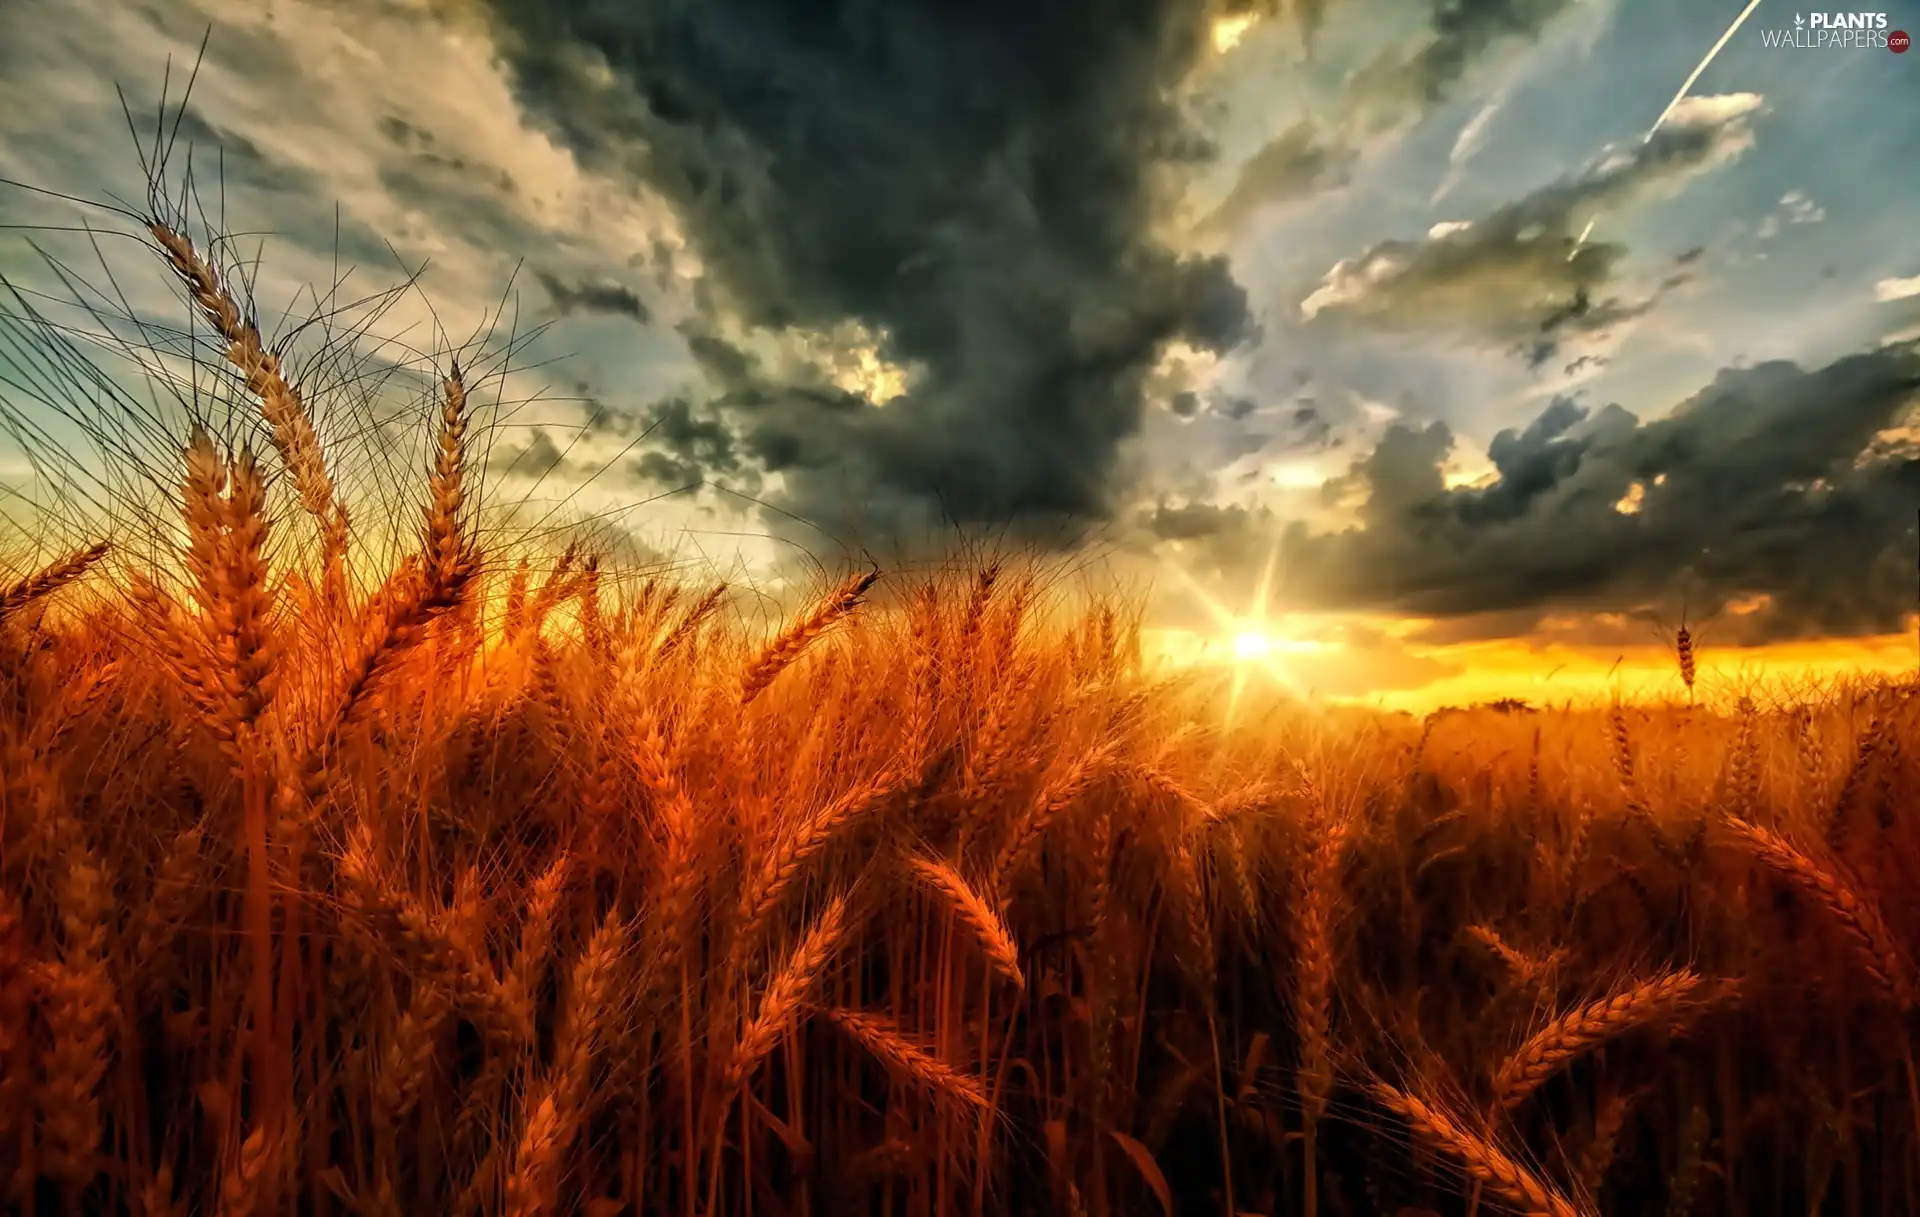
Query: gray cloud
{"x": 1772, "y": 481}
{"x": 1520, "y": 276}
{"x": 974, "y": 184}
{"x": 1412, "y": 77}
{"x": 1302, "y": 160}
{"x": 597, "y": 296}
{"x": 1400, "y": 84}
{"x": 537, "y": 458}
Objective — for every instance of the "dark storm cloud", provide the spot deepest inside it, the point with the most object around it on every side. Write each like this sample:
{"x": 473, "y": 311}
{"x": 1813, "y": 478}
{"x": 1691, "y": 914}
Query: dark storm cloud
{"x": 976, "y": 183}
{"x": 693, "y": 447}
{"x": 1772, "y": 481}
{"x": 599, "y": 296}
{"x": 1520, "y": 276}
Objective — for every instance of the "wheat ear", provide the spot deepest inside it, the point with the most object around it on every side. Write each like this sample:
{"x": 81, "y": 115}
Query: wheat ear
{"x": 1058, "y": 795}
{"x": 288, "y": 418}
{"x": 1486, "y": 1163}
{"x": 976, "y": 913}
{"x": 1850, "y": 911}
{"x": 49, "y": 579}
{"x": 790, "y": 859}
{"x": 908, "y": 1060}
{"x": 1560, "y": 1041}
{"x": 788, "y": 645}
{"x": 787, "y": 993}
{"x": 557, "y": 1106}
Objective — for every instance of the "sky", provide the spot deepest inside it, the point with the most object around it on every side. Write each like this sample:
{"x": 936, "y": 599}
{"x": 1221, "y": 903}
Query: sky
{"x": 1411, "y": 351}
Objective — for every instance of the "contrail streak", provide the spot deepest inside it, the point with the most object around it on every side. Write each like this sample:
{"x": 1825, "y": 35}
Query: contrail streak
{"x": 1678, "y": 98}
{"x": 1724, "y": 39}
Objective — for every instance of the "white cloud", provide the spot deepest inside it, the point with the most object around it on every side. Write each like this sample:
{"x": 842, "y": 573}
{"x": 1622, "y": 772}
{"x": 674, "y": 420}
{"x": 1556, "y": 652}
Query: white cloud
{"x": 340, "y": 105}
{"x": 1795, "y": 208}
{"x": 1888, "y": 290}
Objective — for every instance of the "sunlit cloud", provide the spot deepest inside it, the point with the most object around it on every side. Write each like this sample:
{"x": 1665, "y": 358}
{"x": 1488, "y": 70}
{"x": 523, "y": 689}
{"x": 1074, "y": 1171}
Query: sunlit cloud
{"x": 1888, "y": 290}
{"x": 1229, "y": 31}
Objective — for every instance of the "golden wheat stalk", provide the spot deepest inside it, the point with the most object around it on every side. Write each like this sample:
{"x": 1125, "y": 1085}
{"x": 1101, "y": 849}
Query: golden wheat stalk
{"x": 1317, "y": 898}
{"x": 1551, "y": 1048}
{"x": 1622, "y": 739}
{"x": 502, "y": 1013}
{"x": 246, "y": 1185}
{"x": 288, "y": 418}
{"x": 418, "y": 592}
{"x": 49, "y": 579}
{"x": 973, "y": 910}
{"x": 1054, "y": 798}
{"x": 16, "y": 1061}
{"x": 229, "y": 554}
{"x": 685, "y": 629}
{"x": 1850, "y": 910}
{"x": 923, "y": 671}
{"x": 1524, "y": 968}
{"x": 788, "y": 993}
{"x": 79, "y": 1005}
{"x": 554, "y": 1112}
{"x": 443, "y": 539}
{"x": 1486, "y": 1164}
{"x": 1597, "y": 1157}
{"x": 791, "y": 857}
{"x": 788, "y": 645}
{"x": 908, "y": 1060}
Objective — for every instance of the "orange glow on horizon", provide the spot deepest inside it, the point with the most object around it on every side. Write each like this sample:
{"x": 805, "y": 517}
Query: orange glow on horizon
{"x": 1318, "y": 657}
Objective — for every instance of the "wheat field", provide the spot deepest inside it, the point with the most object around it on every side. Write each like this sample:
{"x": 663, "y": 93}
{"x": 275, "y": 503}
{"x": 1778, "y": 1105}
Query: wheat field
{"x": 493, "y": 878}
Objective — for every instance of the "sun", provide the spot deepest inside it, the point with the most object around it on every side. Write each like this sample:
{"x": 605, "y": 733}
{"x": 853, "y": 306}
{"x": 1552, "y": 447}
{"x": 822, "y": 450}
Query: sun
{"x": 1250, "y": 645}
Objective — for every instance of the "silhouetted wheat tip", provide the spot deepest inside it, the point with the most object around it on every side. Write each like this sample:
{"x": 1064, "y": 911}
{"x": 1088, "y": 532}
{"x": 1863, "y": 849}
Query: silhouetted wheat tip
{"x": 690, "y": 622}
{"x": 444, "y": 542}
